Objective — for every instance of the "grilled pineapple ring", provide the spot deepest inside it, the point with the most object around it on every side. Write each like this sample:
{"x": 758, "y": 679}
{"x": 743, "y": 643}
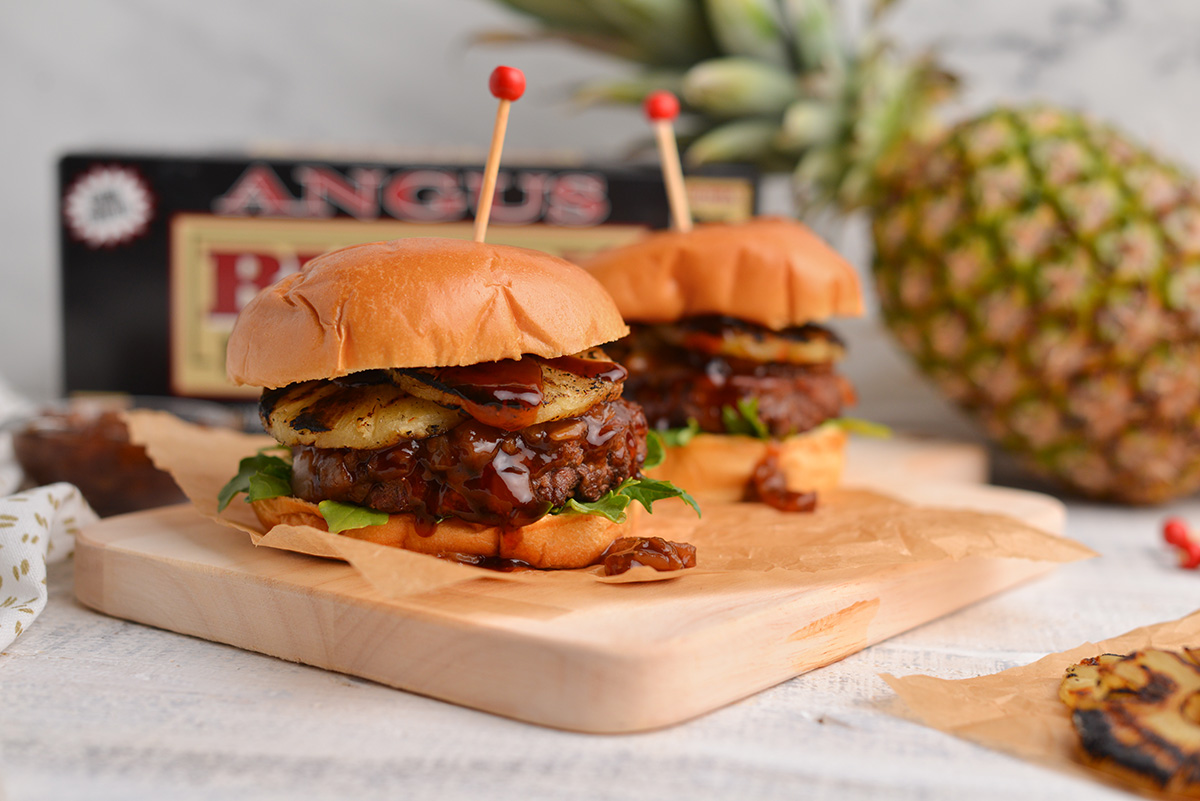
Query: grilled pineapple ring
{"x": 326, "y": 414}
{"x": 809, "y": 344}
{"x": 563, "y": 394}
{"x": 332, "y": 414}
{"x": 1138, "y": 716}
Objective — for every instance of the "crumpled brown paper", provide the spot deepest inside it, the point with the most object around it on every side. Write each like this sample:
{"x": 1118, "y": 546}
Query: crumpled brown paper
{"x": 852, "y": 534}
{"x": 1018, "y": 710}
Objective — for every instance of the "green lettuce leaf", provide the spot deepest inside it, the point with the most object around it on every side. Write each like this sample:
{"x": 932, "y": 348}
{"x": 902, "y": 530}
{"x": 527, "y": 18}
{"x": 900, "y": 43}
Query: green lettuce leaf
{"x": 259, "y": 476}
{"x": 265, "y": 485}
{"x": 744, "y": 420}
{"x": 610, "y": 505}
{"x": 678, "y": 437}
{"x": 656, "y": 450}
{"x": 262, "y": 476}
{"x": 613, "y": 504}
{"x": 344, "y": 516}
{"x": 648, "y": 490}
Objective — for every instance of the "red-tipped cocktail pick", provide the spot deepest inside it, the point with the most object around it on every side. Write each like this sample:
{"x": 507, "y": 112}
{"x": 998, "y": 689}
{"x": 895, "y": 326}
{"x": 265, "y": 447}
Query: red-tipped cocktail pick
{"x": 661, "y": 109}
{"x": 506, "y": 84}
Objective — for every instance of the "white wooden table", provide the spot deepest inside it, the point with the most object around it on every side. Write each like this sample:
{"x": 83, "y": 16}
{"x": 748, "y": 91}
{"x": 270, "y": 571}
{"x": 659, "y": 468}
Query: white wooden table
{"x": 98, "y": 708}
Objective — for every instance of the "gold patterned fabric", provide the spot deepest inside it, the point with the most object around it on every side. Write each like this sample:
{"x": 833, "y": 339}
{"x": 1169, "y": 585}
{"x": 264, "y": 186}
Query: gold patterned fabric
{"x": 36, "y": 527}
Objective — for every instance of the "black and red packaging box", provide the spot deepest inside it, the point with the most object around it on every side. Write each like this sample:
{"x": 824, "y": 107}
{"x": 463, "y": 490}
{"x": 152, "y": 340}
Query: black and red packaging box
{"x": 158, "y": 253}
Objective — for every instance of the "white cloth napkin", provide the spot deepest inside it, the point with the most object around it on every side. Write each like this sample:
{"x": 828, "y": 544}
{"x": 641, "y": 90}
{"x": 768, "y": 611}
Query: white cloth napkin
{"x": 37, "y": 527}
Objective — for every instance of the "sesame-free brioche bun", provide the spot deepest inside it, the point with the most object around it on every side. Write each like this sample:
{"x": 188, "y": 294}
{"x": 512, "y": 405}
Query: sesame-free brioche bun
{"x": 418, "y": 302}
{"x": 717, "y": 467}
{"x": 554, "y": 542}
{"x": 771, "y": 271}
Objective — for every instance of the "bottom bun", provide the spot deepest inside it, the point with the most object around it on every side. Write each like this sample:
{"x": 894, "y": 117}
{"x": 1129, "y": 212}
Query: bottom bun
{"x": 555, "y": 541}
{"x": 717, "y": 467}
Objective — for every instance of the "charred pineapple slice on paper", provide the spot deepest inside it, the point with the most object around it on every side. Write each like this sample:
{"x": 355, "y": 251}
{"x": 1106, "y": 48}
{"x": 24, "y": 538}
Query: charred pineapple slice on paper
{"x": 1138, "y": 716}
{"x": 1080, "y": 685}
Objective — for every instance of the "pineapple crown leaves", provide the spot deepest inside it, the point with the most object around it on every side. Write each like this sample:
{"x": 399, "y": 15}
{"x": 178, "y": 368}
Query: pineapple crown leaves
{"x": 651, "y": 32}
{"x": 842, "y": 138}
{"x": 777, "y": 83}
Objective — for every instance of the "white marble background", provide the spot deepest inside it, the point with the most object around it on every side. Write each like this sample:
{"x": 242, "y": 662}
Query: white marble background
{"x": 176, "y": 76}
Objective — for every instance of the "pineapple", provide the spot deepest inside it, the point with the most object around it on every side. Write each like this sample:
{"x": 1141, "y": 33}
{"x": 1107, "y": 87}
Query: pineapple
{"x": 1040, "y": 267}
{"x": 1138, "y": 716}
{"x": 1043, "y": 270}
{"x": 368, "y": 415}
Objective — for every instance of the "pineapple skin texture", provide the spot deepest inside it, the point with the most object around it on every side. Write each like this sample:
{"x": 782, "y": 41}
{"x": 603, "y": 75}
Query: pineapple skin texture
{"x": 1044, "y": 271}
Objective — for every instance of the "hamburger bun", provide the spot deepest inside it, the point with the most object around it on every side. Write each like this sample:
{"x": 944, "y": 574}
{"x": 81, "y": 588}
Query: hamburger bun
{"x": 716, "y": 467}
{"x": 771, "y": 271}
{"x": 418, "y": 302}
{"x": 554, "y": 542}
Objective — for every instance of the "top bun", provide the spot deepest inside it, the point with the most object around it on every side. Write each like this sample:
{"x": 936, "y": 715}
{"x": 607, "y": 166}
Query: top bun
{"x": 420, "y": 302}
{"x": 770, "y": 270}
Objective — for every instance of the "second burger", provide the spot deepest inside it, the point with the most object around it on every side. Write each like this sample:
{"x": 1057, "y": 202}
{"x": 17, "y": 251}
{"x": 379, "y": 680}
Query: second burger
{"x": 730, "y": 357}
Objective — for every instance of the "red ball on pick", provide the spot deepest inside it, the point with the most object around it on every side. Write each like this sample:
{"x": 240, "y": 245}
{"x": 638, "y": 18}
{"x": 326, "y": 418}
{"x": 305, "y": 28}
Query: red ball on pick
{"x": 507, "y": 83}
{"x": 661, "y": 105}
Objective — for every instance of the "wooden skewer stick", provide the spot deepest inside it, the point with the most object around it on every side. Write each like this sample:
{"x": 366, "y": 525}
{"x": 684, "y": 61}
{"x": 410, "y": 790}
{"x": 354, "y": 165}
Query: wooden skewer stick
{"x": 662, "y": 108}
{"x": 507, "y": 84}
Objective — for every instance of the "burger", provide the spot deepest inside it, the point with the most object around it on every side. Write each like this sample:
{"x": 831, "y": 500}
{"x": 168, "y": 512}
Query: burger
{"x": 730, "y": 358}
{"x": 448, "y": 397}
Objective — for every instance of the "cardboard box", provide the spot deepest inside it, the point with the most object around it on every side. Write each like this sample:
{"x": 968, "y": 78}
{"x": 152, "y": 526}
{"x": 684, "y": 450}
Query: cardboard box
{"x": 160, "y": 252}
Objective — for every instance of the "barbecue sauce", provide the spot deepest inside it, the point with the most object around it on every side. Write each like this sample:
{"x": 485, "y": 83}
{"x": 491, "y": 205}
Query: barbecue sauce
{"x": 499, "y": 564}
{"x": 486, "y": 477}
{"x": 630, "y": 552}
{"x": 621, "y": 556}
{"x": 768, "y": 484}
{"x": 505, "y": 394}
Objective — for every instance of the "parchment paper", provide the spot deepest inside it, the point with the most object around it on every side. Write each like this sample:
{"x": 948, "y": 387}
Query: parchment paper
{"x": 853, "y": 533}
{"x": 1017, "y": 711}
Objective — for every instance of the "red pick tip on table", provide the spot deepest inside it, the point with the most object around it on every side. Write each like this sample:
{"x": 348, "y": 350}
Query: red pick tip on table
{"x": 507, "y": 83}
{"x": 1189, "y": 555}
{"x": 661, "y": 105}
{"x": 1175, "y": 532}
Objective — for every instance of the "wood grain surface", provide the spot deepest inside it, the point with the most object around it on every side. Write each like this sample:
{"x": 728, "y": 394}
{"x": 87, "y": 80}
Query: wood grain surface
{"x": 593, "y": 660}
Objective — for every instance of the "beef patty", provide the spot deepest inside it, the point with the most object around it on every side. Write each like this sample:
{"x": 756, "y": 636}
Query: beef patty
{"x": 480, "y": 473}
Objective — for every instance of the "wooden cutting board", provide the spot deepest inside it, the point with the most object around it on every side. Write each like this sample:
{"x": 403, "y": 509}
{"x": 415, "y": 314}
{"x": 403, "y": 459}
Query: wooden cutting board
{"x": 624, "y": 659}
{"x": 883, "y": 463}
